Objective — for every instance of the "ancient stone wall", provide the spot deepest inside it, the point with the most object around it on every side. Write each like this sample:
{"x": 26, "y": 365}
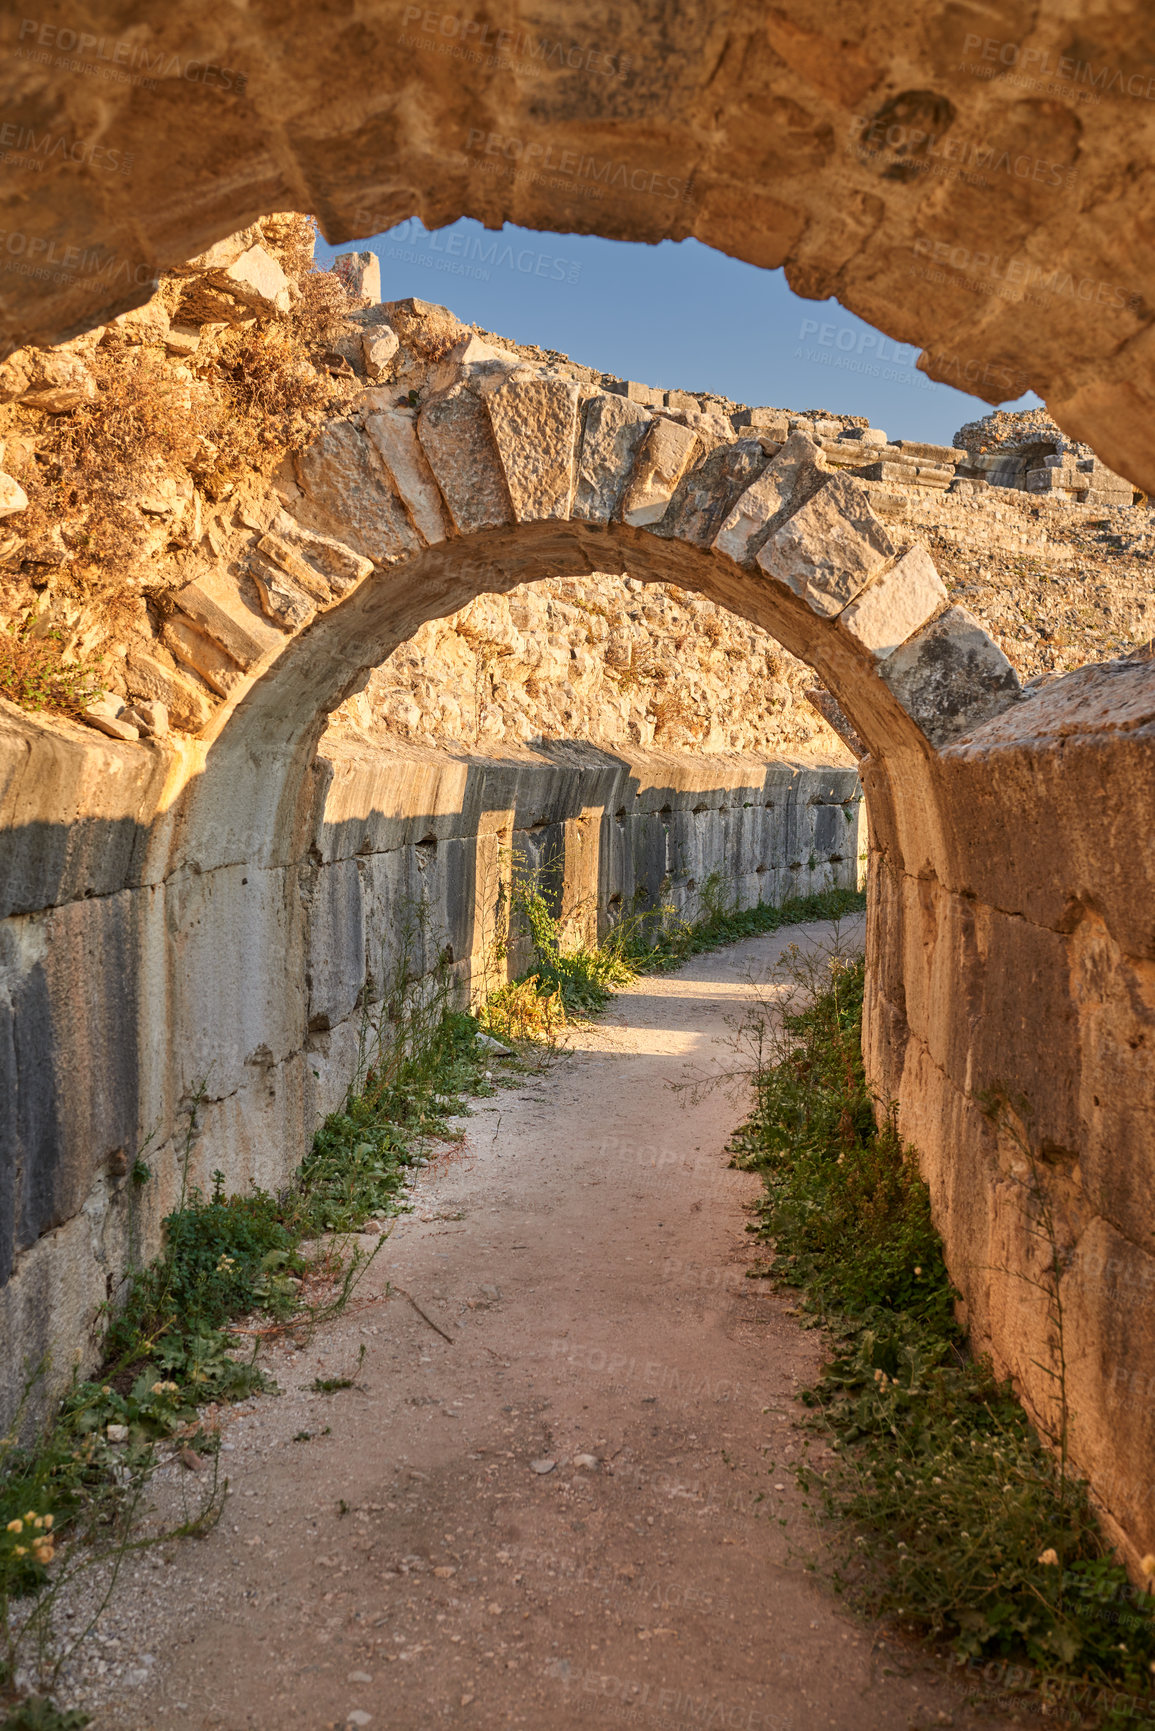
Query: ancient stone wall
{"x": 1010, "y": 941}
{"x": 130, "y": 992}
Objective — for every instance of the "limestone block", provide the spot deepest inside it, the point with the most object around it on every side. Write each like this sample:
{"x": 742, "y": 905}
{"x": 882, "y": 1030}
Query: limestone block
{"x": 534, "y": 421}
{"x": 217, "y": 605}
{"x": 830, "y": 548}
{"x": 222, "y": 253}
{"x": 204, "y": 655}
{"x": 72, "y": 999}
{"x": 797, "y": 465}
{"x": 940, "y": 455}
{"x": 614, "y": 428}
{"x": 57, "y": 381}
{"x": 256, "y": 280}
{"x": 150, "y": 716}
{"x": 951, "y": 676}
{"x": 230, "y": 994}
{"x": 13, "y": 498}
{"x": 682, "y": 400}
{"x": 342, "y": 476}
{"x": 896, "y": 604}
{"x": 361, "y": 274}
{"x": 706, "y": 494}
{"x": 333, "y": 562}
{"x": 456, "y": 436}
{"x": 379, "y": 350}
{"x": 666, "y": 453}
{"x": 147, "y": 324}
{"x": 835, "y": 717}
{"x": 274, "y": 550}
{"x": 765, "y": 420}
{"x": 188, "y": 706}
{"x": 108, "y": 714}
{"x": 648, "y": 395}
{"x": 426, "y": 328}
{"x": 182, "y": 340}
{"x": 335, "y": 961}
{"x": 285, "y": 601}
{"x": 394, "y": 433}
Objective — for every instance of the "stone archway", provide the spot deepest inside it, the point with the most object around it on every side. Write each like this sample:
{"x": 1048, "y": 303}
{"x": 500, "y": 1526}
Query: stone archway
{"x": 1008, "y": 934}
{"x": 961, "y": 180}
{"x": 506, "y": 470}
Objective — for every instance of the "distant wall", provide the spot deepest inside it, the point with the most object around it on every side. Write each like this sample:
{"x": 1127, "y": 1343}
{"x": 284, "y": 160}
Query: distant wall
{"x": 125, "y": 986}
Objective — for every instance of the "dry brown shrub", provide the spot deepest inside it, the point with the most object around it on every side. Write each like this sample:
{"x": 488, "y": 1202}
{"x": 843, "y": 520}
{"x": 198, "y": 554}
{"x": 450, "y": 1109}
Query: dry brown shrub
{"x": 270, "y": 399}
{"x": 322, "y": 308}
{"x": 292, "y": 238}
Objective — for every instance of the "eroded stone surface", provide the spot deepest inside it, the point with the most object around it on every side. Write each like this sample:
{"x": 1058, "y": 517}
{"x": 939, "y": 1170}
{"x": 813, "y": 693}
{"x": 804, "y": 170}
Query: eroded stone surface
{"x": 892, "y": 608}
{"x": 457, "y": 440}
{"x": 830, "y": 548}
{"x": 950, "y": 676}
{"x": 1021, "y": 297}
{"x": 614, "y": 428}
{"x": 534, "y": 422}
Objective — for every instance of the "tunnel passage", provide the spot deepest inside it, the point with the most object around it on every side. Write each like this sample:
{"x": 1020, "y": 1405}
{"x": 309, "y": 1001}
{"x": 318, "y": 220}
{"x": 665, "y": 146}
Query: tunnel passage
{"x": 1009, "y": 937}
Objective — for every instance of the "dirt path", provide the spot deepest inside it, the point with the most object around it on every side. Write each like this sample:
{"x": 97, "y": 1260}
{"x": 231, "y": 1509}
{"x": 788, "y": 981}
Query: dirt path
{"x": 414, "y": 1563}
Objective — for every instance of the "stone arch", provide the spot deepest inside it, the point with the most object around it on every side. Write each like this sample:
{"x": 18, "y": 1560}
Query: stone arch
{"x": 1009, "y": 934}
{"x": 506, "y": 470}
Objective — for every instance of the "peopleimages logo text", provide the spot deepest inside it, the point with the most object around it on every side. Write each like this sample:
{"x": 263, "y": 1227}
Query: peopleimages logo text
{"x": 135, "y": 56}
{"x": 589, "y": 170}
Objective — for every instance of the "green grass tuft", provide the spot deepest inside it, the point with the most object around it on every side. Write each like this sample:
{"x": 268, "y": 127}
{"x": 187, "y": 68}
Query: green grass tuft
{"x": 967, "y": 1529}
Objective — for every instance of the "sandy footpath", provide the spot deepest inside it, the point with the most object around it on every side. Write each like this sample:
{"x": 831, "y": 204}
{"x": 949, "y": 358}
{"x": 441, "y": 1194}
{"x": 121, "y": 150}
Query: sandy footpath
{"x": 576, "y": 1510}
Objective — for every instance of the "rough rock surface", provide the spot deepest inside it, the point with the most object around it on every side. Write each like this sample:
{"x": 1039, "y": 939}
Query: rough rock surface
{"x": 961, "y": 178}
{"x": 1009, "y": 944}
{"x": 592, "y": 658}
{"x": 110, "y": 550}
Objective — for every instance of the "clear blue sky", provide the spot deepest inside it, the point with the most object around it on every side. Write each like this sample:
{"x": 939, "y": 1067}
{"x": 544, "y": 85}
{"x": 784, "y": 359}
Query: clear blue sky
{"x": 677, "y": 315}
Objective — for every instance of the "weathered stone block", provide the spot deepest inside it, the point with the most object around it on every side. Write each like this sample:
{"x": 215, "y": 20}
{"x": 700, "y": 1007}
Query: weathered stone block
{"x": 951, "y": 676}
{"x": 204, "y": 655}
{"x": 829, "y": 549}
{"x": 342, "y": 477}
{"x": 614, "y": 428}
{"x": 275, "y": 550}
{"x": 665, "y": 454}
{"x": 795, "y": 469}
{"x": 456, "y": 436}
{"x": 285, "y": 601}
{"x": 706, "y": 494}
{"x": 534, "y": 421}
{"x": 257, "y": 280}
{"x": 379, "y": 350}
{"x": 108, "y": 715}
{"x": 215, "y": 602}
{"x": 188, "y": 705}
{"x": 361, "y": 274}
{"x": 896, "y": 604}
{"x": 335, "y": 564}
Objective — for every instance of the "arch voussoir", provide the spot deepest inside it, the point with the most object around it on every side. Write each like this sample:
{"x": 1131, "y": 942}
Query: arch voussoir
{"x": 481, "y": 440}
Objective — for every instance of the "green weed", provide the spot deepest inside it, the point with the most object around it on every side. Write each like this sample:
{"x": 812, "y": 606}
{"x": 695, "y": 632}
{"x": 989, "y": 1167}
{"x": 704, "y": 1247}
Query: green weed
{"x": 967, "y": 1527}
{"x": 34, "y": 674}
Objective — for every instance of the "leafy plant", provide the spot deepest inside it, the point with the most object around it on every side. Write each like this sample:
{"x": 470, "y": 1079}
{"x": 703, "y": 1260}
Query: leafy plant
{"x": 34, "y": 675}
{"x": 969, "y": 1528}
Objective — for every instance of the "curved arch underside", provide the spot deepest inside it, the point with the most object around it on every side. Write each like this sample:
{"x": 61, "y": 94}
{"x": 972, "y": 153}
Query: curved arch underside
{"x": 970, "y": 183}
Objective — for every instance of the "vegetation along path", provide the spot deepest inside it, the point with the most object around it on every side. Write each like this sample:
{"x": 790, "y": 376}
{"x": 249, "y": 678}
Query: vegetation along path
{"x": 560, "y": 1490}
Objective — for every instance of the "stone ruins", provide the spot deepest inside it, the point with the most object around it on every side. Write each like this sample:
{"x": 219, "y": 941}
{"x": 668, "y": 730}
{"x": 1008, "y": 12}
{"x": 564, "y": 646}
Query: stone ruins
{"x": 190, "y": 886}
